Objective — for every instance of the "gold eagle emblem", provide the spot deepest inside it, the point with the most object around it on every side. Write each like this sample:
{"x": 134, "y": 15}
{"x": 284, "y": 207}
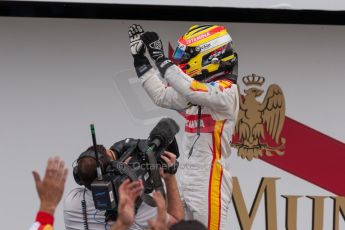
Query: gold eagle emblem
{"x": 256, "y": 121}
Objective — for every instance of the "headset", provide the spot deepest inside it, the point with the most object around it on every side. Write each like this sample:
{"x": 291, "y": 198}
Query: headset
{"x": 87, "y": 153}
{"x": 79, "y": 181}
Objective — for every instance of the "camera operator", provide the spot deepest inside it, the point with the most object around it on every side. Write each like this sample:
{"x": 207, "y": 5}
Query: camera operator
{"x": 79, "y": 209}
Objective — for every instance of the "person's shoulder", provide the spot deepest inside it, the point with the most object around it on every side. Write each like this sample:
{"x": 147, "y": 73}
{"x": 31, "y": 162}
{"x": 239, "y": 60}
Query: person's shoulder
{"x": 224, "y": 83}
{"x": 75, "y": 191}
{"x": 75, "y": 195}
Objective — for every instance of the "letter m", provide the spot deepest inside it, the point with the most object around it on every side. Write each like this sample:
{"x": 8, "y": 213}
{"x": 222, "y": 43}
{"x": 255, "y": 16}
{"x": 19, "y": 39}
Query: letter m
{"x": 268, "y": 187}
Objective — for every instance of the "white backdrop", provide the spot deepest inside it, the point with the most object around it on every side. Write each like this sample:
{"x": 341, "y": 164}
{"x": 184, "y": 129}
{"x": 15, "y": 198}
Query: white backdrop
{"x": 59, "y": 75}
{"x": 275, "y": 4}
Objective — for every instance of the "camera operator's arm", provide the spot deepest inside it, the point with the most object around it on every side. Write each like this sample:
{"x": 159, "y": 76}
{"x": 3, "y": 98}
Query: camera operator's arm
{"x": 175, "y": 208}
{"x": 50, "y": 191}
{"x": 160, "y": 223}
{"x": 128, "y": 192}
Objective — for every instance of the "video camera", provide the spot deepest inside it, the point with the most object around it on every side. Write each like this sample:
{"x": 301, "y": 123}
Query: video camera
{"x": 144, "y": 165}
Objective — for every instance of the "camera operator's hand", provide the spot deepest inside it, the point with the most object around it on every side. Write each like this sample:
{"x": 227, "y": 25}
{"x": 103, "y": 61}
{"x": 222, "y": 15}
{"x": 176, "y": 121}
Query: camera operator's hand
{"x": 127, "y": 160}
{"x": 128, "y": 193}
{"x": 171, "y": 163}
{"x": 160, "y": 223}
{"x": 51, "y": 188}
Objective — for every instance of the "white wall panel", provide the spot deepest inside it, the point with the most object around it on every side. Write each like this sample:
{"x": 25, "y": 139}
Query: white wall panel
{"x": 59, "y": 75}
{"x": 275, "y": 4}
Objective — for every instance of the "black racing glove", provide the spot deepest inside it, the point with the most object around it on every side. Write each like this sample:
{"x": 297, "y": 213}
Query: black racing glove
{"x": 155, "y": 48}
{"x": 141, "y": 63}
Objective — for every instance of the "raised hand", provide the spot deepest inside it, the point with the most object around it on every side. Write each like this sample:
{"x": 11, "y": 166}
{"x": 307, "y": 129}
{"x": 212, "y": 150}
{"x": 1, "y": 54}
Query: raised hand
{"x": 128, "y": 193}
{"x": 153, "y": 44}
{"x": 155, "y": 48}
{"x": 51, "y": 188}
{"x": 136, "y": 44}
{"x": 160, "y": 223}
{"x": 141, "y": 63}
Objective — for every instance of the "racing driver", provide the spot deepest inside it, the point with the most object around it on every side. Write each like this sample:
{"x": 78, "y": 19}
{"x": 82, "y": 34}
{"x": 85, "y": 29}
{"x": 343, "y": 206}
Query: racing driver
{"x": 202, "y": 87}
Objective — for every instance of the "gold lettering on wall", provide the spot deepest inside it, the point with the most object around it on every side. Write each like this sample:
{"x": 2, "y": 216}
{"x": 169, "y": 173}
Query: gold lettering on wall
{"x": 291, "y": 212}
{"x": 268, "y": 187}
{"x": 338, "y": 208}
{"x": 318, "y": 207}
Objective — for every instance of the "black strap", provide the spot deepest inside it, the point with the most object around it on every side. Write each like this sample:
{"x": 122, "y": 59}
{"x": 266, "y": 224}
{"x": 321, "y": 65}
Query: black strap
{"x": 197, "y": 132}
{"x": 148, "y": 200}
{"x": 128, "y": 171}
{"x": 84, "y": 210}
{"x": 154, "y": 171}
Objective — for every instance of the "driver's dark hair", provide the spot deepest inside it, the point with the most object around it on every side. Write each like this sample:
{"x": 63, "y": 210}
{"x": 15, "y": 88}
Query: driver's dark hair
{"x": 87, "y": 171}
{"x": 188, "y": 225}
